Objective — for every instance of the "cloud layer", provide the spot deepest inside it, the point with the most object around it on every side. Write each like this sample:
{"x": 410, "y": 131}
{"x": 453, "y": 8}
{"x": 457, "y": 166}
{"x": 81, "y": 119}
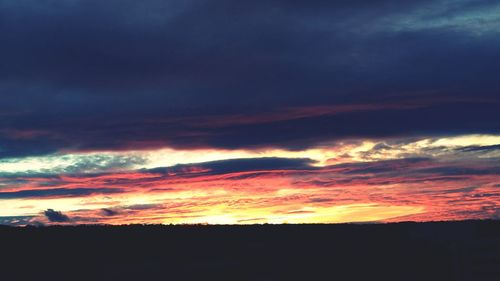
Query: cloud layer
{"x": 94, "y": 75}
{"x": 268, "y": 111}
{"x": 385, "y": 180}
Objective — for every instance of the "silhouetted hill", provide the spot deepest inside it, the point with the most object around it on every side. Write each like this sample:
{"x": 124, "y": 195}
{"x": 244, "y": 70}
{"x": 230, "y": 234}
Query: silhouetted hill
{"x": 468, "y": 250}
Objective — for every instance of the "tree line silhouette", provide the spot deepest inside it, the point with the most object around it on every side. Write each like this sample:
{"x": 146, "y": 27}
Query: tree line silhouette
{"x": 466, "y": 250}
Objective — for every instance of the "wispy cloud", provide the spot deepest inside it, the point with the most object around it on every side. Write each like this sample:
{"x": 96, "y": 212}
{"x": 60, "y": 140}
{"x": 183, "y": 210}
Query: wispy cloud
{"x": 431, "y": 178}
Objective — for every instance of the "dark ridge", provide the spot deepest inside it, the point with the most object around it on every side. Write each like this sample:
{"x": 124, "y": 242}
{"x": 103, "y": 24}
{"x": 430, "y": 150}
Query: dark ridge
{"x": 467, "y": 250}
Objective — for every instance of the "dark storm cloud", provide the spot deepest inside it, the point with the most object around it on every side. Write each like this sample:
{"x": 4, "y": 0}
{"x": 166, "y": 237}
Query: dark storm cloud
{"x": 462, "y": 171}
{"x": 416, "y": 167}
{"x": 486, "y": 148}
{"x": 109, "y": 212}
{"x": 142, "y": 207}
{"x": 87, "y": 75}
{"x": 57, "y": 192}
{"x": 237, "y": 165}
{"x": 56, "y": 216}
{"x": 383, "y": 166}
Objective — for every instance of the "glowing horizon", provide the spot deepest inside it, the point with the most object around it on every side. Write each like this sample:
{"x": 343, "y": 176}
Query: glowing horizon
{"x": 350, "y": 181}
{"x": 264, "y": 112}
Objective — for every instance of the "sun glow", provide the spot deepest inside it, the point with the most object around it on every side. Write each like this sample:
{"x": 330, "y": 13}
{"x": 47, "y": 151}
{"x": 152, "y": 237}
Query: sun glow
{"x": 366, "y": 188}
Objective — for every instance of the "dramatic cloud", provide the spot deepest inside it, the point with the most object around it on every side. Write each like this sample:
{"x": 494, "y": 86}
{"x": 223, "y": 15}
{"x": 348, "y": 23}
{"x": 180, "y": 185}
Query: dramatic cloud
{"x": 272, "y": 111}
{"x": 104, "y": 75}
{"x": 55, "y": 216}
{"x": 108, "y": 212}
{"x": 237, "y": 165}
{"x": 405, "y": 179}
{"x": 57, "y": 192}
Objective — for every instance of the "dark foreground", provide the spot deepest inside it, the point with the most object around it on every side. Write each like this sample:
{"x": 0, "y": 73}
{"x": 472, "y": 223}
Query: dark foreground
{"x": 405, "y": 251}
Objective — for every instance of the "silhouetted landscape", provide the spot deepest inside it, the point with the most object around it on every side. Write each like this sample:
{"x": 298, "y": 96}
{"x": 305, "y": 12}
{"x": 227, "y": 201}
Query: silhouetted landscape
{"x": 249, "y": 140}
{"x": 467, "y": 250}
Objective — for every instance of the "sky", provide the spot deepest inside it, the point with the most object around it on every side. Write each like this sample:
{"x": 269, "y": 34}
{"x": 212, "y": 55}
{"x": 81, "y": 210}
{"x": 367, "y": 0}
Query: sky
{"x": 263, "y": 111}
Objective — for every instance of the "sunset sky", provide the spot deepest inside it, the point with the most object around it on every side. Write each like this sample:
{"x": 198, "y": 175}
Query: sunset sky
{"x": 263, "y": 111}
